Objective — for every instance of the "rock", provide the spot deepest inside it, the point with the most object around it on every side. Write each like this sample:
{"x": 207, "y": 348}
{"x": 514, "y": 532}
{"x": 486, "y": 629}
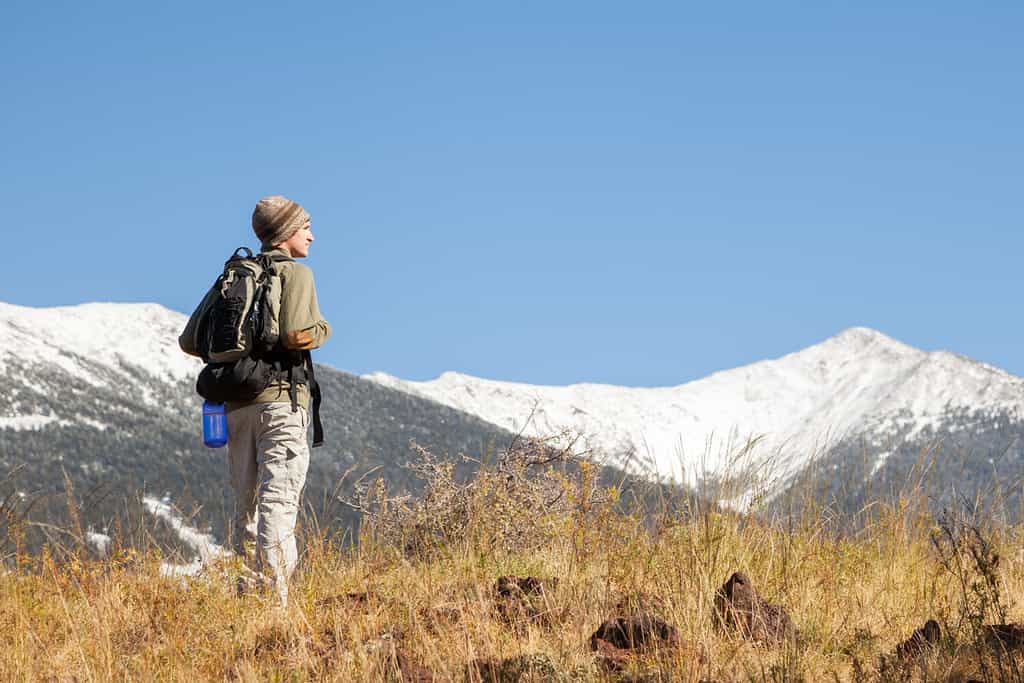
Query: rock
{"x": 920, "y": 641}
{"x": 1005, "y": 636}
{"x": 640, "y": 631}
{"x": 517, "y": 586}
{"x": 620, "y": 641}
{"x": 738, "y": 605}
{"x": 611, "y": 657}
{"x": 635, "y": 632}
{"x": 522, "y": 599}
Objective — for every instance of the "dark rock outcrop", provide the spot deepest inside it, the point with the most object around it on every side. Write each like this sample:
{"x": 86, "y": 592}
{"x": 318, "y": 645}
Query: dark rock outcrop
{"x": 739, "y": 606}
{"x": 635, "y": 632}
{"x": 920, "y": 641}
{"x": 620, "y": 641}
{"x": 524, "y": 599}
{"x": 1004, "y": 636}
{"x": 518, "y": 586}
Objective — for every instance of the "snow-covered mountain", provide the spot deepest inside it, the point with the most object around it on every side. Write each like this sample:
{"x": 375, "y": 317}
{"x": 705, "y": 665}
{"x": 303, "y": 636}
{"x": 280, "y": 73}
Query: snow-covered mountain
{"x": 103, "y": 346}
{"x": 104, "y": 335}
{"x": 101, "y": 396}
{"x": 859, "y": 385}
{"x": 100, "y": 393}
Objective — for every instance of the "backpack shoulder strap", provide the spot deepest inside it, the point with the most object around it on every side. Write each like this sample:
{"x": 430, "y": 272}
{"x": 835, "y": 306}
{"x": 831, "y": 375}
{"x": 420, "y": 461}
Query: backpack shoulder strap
{"x": 314, "y": 390}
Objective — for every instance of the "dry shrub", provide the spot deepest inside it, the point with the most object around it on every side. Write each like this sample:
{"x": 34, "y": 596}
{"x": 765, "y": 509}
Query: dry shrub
{"x": 523, "y": 500}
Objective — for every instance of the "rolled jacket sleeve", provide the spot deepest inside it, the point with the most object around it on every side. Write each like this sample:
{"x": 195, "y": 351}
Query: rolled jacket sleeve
{"x": 302, "y": 325}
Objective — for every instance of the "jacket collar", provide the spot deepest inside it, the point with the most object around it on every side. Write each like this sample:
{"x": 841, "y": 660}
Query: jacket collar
{"x": 272, "y": 250}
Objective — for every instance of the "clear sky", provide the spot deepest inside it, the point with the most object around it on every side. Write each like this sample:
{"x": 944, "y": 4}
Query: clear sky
{"x": 552, "y": 192}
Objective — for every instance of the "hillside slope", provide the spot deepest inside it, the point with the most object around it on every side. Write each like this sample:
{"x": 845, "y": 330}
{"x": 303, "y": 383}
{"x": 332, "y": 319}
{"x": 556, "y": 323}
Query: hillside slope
{"x": 102, "y": 393}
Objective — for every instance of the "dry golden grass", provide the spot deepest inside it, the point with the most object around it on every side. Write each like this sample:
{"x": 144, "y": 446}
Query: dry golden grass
{"x": 355, "y": 612}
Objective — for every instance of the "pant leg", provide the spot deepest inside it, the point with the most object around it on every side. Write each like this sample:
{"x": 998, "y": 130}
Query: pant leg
{"x": 283, "y": 456}
{"x": 243, "y": 468}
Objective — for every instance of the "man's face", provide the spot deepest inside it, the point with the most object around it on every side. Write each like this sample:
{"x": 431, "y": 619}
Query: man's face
{"x": 298, "y": 244}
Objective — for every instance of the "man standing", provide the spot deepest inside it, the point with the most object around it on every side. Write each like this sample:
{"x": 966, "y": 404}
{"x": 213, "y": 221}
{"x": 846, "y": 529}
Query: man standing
{"x": 267, "y": 450}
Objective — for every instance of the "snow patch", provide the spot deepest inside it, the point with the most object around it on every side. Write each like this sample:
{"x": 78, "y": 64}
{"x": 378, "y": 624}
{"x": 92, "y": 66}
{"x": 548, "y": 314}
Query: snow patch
{"x": 89, "y": 422}
{"x": 28, "y": 422}
{"x": 100, "y": 541}
{"x": 204, "y": 544}
{"x": 880, "y": 461}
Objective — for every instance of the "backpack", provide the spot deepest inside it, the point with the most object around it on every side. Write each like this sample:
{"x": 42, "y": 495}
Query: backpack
{"x": 237, "y": 335}
{"x": 240, "y": 314}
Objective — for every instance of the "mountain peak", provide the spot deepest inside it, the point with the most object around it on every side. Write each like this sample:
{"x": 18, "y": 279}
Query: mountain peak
{"x": 866, "y": 336}
{"x": 857, "y": 341}
{"x": 861, "y": 333}
{"x": 84, "y": 337}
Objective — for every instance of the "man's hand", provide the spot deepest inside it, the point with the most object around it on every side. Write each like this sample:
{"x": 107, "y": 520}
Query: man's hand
{"x": 298, "y": 341}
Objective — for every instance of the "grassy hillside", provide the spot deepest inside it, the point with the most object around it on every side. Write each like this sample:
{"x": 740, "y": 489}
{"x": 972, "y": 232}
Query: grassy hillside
{"x": 420, "y": 599}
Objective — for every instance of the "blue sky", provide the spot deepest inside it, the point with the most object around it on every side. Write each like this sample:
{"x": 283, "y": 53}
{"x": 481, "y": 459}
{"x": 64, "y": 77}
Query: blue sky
{"x": 550, "y": 192}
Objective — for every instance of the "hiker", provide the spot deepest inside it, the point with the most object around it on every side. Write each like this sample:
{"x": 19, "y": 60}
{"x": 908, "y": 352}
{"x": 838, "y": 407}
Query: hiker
{"x": 268, "y": 454}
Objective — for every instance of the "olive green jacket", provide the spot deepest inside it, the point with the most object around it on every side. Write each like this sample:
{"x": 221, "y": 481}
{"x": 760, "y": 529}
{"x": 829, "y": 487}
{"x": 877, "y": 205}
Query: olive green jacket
{"x": 302, "y": 325}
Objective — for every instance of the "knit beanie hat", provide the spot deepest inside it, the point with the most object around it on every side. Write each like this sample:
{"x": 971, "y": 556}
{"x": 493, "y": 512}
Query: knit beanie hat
{"x": 277, "y": 218}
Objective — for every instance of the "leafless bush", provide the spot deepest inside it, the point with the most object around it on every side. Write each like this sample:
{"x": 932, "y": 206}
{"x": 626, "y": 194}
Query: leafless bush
{"x": 520, "y": 501}
{"x": 968, "y": 552}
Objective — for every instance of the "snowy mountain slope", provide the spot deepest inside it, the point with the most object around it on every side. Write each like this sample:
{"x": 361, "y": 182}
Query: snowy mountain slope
{"x": 859, "y": 383}
{"x": 101, "y": 396}
{"x": 120, "y": 349}
{"x": 109, "y": 336}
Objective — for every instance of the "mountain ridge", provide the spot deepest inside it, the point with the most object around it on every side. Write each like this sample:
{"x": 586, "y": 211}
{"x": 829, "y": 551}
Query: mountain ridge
{"x": 104, "y": 386}
{"x": 798, "y": 405}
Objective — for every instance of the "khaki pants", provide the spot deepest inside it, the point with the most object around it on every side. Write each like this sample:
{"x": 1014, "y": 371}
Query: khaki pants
{"x": 268, "y": 457}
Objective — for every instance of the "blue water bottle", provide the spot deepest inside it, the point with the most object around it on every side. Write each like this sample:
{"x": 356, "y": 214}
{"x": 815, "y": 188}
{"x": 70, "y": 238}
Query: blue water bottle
{"x": 215, "y": 425}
